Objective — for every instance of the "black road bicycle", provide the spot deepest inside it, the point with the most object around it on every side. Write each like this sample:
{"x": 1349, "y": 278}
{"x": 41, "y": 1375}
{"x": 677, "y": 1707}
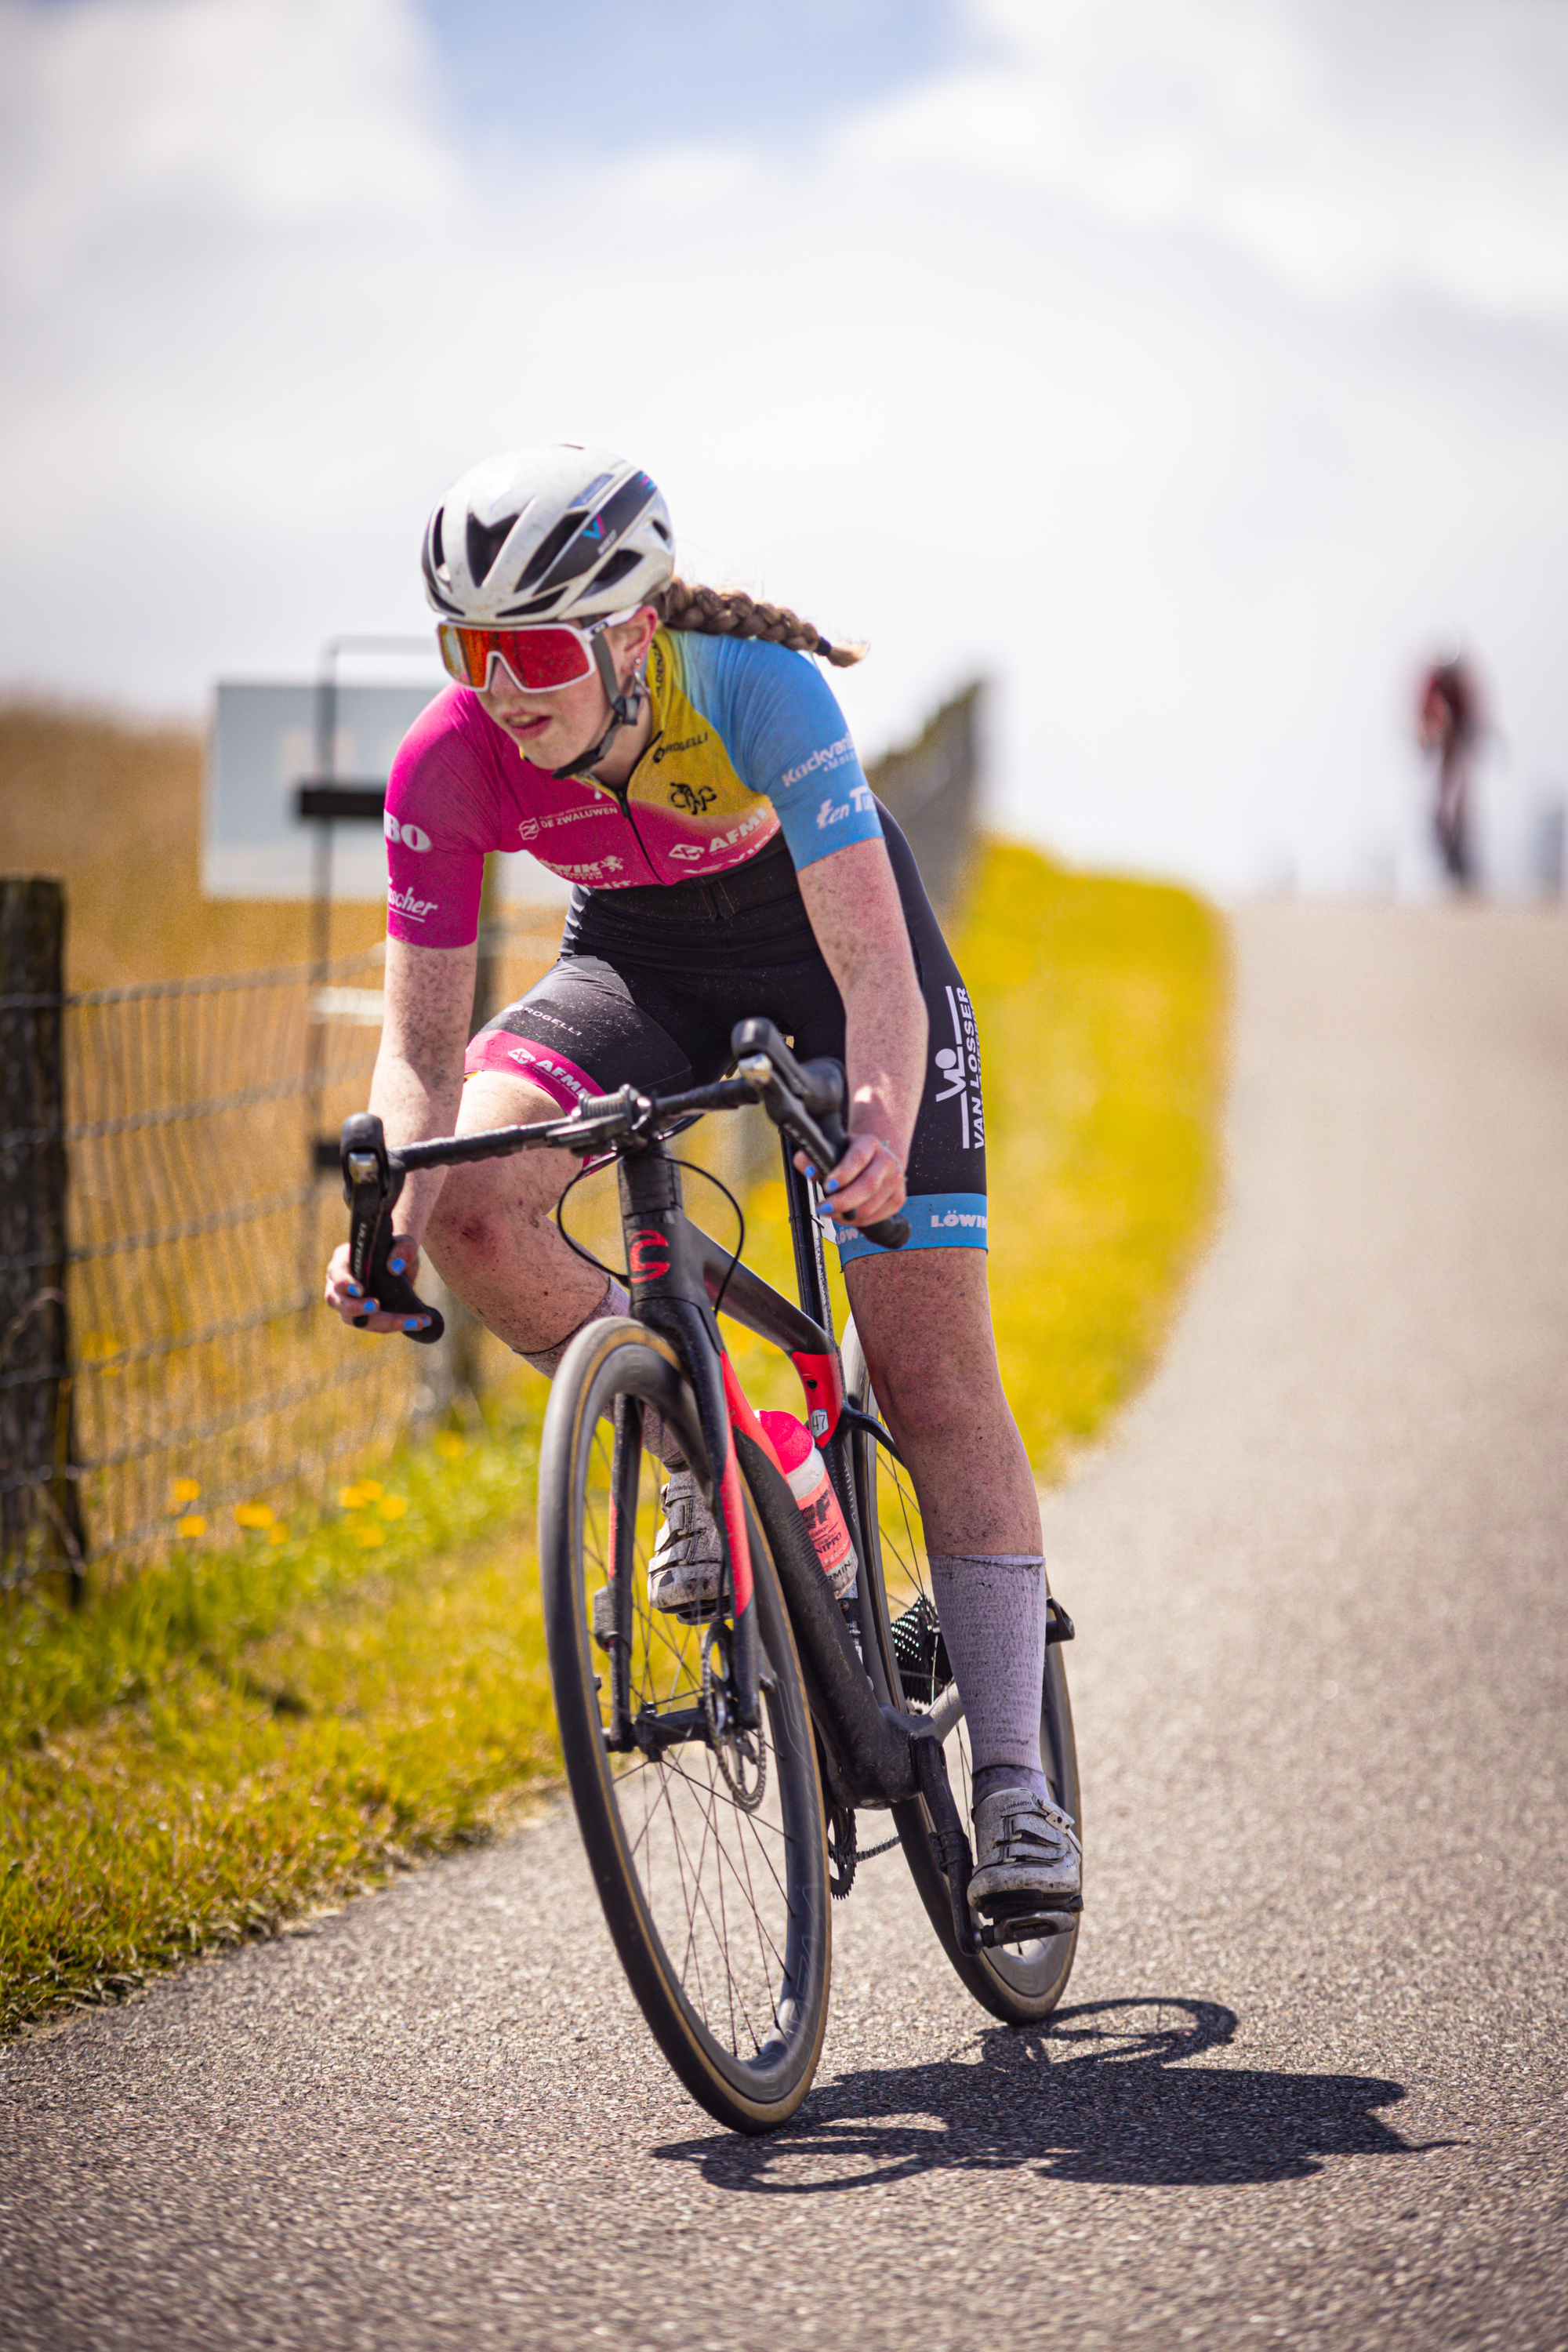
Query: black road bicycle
{"x": 718, "y": 1766}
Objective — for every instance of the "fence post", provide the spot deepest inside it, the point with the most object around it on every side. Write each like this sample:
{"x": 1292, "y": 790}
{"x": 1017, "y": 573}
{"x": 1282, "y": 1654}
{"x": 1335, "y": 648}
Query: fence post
{"x": 932, "y": 790}
{"x": 40, "y": 1508}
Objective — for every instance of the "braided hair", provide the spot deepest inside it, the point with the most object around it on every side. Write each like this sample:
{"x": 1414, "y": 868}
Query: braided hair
{"x": 731, "y": 613}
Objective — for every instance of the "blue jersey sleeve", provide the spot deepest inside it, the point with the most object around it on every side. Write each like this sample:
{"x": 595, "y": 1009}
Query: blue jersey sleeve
{"x": 785, "y": 736}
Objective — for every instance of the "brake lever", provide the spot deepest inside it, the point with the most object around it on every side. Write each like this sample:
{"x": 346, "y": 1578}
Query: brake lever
{"x": 371, "y": 1183}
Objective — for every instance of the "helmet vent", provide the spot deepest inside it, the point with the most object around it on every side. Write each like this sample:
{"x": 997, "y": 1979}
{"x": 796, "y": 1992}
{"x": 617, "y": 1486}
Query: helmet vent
{"x": 486, "y": 541}
{"x": 550, "y": 547}
{"x": 625, "y": 560}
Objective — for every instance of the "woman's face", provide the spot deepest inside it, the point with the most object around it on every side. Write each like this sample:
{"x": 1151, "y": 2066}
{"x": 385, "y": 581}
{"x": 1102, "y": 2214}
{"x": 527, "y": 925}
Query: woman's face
{"x": 554, "y": 728}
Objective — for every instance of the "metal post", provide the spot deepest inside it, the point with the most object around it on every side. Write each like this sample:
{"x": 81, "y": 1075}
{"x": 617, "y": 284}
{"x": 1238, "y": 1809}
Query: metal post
{"x": 321, "y": 962}
{"x": 41, "y": 1508}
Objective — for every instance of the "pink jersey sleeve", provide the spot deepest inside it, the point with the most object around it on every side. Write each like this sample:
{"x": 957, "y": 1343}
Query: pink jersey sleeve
{"x": 440, "y": 820}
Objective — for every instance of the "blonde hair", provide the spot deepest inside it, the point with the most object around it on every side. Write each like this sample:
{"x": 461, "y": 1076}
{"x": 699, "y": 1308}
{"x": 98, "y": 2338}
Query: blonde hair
{"x": 731, "y": 613}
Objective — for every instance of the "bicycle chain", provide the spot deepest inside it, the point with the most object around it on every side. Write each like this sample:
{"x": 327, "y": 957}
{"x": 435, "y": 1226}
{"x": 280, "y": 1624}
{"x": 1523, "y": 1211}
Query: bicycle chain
{"x": 846, "y": 1859}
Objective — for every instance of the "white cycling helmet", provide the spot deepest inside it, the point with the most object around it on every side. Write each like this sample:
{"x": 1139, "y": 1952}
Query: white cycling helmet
{"x": 561, "y": 534}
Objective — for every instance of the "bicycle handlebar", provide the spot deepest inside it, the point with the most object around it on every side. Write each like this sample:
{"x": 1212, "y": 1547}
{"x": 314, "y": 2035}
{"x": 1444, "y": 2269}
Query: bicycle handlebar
{"x": 806, "y": 1099}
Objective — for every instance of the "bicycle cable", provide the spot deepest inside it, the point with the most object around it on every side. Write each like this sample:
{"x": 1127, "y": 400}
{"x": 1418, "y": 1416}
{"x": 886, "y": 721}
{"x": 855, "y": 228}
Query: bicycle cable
{"x": 719, "y": 1185}
{"x": 589, "y": 1168}
{"x": 620, "y": 1274}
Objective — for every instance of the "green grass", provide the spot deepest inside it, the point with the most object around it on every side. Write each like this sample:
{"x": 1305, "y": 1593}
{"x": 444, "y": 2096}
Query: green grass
{"x": 247, "y": 1731}
{"x": 269, "y": 1722}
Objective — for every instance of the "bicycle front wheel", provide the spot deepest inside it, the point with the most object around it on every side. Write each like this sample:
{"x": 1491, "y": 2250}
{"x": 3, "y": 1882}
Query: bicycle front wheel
{"x": 1020, "y": 1983}
{"x": 708, "y": 1846}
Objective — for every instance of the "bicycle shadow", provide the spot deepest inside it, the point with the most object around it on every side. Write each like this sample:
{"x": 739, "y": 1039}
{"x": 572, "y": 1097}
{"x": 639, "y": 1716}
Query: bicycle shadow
{"x": 1094, "y": 2096}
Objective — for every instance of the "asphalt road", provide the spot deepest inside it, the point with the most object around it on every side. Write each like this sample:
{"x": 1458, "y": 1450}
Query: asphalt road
{"x": 1309, "y": 2083}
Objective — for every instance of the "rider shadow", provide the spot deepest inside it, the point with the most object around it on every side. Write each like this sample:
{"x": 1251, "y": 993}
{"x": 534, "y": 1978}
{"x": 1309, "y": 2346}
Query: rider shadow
{"x": 1092, "y": 2096}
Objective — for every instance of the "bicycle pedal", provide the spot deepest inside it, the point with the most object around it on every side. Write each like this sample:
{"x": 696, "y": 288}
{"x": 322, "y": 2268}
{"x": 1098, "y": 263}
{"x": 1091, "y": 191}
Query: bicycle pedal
{"x": 692, "y": 1613}
{"x": 1026, "y": 1928}
{"x": 1003, "y": 1909}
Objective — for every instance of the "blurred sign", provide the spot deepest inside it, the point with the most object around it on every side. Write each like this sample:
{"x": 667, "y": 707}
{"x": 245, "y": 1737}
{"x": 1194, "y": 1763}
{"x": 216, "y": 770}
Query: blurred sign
{"x": 266, "y": 742}
{"x": 263, "y": 747}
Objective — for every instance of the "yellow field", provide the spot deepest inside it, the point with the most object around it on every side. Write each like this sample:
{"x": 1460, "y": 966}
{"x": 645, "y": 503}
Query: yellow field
{"x": 115, "y": 811}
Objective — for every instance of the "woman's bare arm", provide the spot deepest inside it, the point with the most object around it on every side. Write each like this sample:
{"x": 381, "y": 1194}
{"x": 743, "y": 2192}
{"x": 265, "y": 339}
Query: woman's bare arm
{"x": 852, "y": 900}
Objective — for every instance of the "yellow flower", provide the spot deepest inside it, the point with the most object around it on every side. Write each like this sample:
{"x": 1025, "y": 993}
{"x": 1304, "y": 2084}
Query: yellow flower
{"x": 351, "y": 1497}
{"x": 449, "y": 1445}
{"x": 193, "y": 1524}
{"x": 183, "y": 1490}
{"x": 392, "y": 1506}
{"x": 253, "y": 1515}
{"x": 370, "y": 1535}
{"x": 370, "y": 1488}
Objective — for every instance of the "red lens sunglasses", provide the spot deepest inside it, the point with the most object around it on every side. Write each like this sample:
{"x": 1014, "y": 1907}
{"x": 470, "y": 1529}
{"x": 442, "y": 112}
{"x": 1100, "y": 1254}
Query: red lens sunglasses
{"x": 539, "y": 659}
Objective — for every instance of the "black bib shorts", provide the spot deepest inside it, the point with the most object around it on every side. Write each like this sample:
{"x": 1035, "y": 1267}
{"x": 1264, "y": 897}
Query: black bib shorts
{"x": 650, "y": 983}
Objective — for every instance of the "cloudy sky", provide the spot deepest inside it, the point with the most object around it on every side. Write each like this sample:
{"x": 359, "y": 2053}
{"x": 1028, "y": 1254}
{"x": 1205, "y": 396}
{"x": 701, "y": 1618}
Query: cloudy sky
{"x": 1191, "y": 371}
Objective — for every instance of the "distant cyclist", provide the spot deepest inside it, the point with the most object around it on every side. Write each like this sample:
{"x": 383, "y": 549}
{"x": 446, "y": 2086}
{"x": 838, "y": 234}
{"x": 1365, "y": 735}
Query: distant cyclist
{"x": 676, "y": 754}
{"x": 1449, "y": 724}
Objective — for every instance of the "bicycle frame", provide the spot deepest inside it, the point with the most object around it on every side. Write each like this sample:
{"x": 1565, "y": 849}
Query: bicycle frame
{"x": 677, "y": 1274}
{"x": 872, "y": 1753}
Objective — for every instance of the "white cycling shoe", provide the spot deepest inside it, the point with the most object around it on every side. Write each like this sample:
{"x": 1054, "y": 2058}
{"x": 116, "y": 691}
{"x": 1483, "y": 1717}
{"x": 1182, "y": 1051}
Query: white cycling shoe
{"x": 1027, "y": 1857}
{"x": 683, "y": 1574}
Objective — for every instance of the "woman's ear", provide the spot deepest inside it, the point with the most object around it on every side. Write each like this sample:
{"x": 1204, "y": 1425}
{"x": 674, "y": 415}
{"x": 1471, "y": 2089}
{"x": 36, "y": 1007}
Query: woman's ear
{"x": 641, "y": 630}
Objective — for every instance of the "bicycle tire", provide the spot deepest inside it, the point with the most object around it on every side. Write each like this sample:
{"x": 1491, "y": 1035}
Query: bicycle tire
{"x": 719, "y": 1913}
{"x": 1018, "y": 1983}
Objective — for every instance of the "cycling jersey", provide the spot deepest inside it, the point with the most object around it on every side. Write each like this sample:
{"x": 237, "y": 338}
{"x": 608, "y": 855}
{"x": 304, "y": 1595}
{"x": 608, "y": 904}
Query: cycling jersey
{"x": 747, "y": 740}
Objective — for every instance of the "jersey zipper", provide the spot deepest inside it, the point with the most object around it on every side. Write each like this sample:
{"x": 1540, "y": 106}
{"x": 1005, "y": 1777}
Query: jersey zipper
{"x": 622, "y": 794}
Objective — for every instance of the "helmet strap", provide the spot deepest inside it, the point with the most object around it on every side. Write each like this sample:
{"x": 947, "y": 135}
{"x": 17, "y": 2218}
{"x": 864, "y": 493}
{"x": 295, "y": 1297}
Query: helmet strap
{"x": 624, "y": 710}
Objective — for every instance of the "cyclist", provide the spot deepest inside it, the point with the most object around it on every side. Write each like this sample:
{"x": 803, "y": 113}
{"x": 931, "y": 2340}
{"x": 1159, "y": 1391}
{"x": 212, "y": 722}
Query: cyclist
{"x": 676, "y": 754}
{"x": 1449, "y": 723}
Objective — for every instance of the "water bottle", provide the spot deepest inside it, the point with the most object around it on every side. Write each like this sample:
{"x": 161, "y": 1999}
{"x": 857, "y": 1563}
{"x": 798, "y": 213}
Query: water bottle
{"x": 813, "y": 1490}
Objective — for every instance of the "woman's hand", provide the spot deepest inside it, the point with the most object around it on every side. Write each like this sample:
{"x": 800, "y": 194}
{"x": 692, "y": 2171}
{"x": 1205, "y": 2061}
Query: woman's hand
{"x": 346, "y": 1298}
{"x": 867, "y": 1183}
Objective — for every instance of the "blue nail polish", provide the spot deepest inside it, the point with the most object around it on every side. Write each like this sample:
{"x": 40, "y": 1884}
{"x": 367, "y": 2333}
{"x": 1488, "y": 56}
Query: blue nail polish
{"x": 412, "y": 1323}
{"x": 831, "y": 1185}
{"x": 354, "y": 1290}
{"x": 397, "y": 1265}
{"x": 811, "y": 1172}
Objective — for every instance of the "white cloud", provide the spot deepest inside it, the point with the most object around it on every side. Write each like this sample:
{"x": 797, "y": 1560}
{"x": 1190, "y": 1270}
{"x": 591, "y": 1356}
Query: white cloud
{"x": 1350, "y": 150}
{"x": 265, "y": 112}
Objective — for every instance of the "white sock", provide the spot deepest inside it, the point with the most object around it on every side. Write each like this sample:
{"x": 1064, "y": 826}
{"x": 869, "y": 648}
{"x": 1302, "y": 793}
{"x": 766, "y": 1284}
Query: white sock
{"x": 993, "y": 1611}
{"x": 656, "y": 1438}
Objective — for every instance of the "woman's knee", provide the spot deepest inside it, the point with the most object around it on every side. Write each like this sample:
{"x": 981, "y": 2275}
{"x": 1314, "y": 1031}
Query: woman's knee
{"x": 480, "y": 1212}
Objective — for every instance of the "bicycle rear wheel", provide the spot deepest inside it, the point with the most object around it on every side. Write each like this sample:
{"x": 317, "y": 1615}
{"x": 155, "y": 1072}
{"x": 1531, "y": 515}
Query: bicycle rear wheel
{"x": 709, "y": 1852}
{"x": 1020, "y": 1983}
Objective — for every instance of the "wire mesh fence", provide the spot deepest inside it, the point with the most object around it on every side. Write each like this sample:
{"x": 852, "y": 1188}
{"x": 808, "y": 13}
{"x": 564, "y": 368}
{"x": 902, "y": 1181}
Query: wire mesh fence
{"x": 193, "y": 1368}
